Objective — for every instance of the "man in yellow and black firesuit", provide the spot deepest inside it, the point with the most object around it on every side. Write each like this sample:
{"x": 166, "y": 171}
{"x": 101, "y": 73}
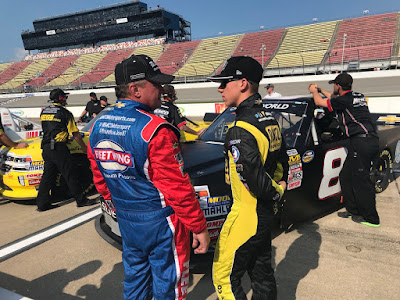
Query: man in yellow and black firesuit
{"x": 257, "y": 168}
{"x": 57, "y": 123}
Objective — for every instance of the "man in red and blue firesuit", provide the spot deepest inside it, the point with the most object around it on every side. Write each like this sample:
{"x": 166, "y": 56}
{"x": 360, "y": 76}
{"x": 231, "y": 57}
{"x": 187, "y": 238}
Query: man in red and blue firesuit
{"x": 136, "y": 162}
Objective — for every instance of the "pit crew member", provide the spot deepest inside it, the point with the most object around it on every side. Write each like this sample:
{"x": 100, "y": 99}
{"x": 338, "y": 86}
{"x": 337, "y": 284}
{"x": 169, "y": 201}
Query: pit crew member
{"x": 170, "y": 112}
{"x": 362, "y": 143}
{"x": 57, "y": 123}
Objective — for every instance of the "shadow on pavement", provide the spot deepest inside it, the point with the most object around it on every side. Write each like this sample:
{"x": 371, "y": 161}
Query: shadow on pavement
{"x": 301, "y": 257}
{"x": 49, "y": 286}
{"x": 111, "y": 286}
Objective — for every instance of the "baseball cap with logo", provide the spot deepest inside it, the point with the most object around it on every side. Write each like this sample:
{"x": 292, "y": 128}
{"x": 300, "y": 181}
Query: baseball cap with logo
{"x": 344, "y": 80}
{"x": 57, "y": 94}
{"x": 140, "y": 67}
{"x": 238, "y": 67}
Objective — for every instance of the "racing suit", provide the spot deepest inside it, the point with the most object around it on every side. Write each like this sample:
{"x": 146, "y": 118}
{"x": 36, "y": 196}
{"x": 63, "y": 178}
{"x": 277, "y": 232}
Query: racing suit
{"x": 256, "y": 160}
{"x": 136, "y": 162}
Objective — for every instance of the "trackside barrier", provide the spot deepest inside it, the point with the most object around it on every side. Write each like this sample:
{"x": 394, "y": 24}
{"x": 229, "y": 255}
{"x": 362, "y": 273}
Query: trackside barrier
{"x": 376, "y": 105}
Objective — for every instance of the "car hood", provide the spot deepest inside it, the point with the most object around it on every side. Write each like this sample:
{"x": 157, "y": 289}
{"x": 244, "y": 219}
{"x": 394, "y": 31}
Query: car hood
{"x": 202, "y": 158}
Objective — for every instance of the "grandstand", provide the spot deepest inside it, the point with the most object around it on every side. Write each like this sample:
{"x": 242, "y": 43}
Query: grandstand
{"x": 84, "y": 64}
{"x": 175, "y": 55}
{"x": 365, "y": 38}
{"x": 53, "y": 71}
{"x": 260, "y": 45}
{"x": 304, "y": 45}
{"x": 208, "y": 56}
{"x": 104, "y": 68}
{"x": 371, "y": 42}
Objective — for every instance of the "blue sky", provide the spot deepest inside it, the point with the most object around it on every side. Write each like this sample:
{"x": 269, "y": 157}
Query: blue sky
{"x": 208, "y": 18}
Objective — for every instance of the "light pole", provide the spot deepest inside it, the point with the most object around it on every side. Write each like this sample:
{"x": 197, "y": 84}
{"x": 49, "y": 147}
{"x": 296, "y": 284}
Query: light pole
{"x": 184, "y": 65}
{"x": 302, "y": 58}
{"x": 262, "y": 53}
{"x": 344, "y": 43}
{"x": 79, "y": 78}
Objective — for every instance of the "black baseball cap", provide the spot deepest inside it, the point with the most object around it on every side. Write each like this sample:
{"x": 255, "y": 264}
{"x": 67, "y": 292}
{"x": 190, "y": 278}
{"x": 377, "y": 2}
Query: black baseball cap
{"x": 344, "y": 80}
{"x": 103, "y": 98}
{"x": 56, "y": 94}
{"x": 238, "y": 67}
{"x": 93, "y": 94}
{"x": 140, "y": 67}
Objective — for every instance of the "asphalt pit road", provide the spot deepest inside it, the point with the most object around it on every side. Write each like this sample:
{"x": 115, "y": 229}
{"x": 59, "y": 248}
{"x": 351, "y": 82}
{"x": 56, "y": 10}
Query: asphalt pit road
{"x": 353, "y": 248}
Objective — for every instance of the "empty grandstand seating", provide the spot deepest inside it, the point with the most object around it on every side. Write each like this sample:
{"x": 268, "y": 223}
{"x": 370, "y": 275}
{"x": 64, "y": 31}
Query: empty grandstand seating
{"x": 174, "y": 56}
{"x": 4, "y": 66}
{"x": 304, "y": 45}
{"x": 368, "y": 38}
{"x": 209, "y": 55}
{"x": 85, "y": 63}
{"x": 252, "y": 43}
{"x": 12, "y": 70}
{"x": 54, "y": 70}
{"x": 153, "y": 51}
{"x": 105, "y": 67}
{"x": 34, "y": 69}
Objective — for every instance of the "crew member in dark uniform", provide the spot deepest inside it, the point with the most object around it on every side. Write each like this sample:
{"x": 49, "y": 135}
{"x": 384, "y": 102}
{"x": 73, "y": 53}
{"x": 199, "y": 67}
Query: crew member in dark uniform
{"x": 57, "y": 123}
{"x": 362, "y": 143}
{"x": 91, "y": 110}
{"x": 170, "y": 112}
{"x": 256, "y": 169}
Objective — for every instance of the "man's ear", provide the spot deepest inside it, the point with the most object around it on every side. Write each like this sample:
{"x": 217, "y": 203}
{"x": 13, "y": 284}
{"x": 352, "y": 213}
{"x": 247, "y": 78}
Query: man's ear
{"x": 244, "y": 85}
{"x": 134, "y": 90}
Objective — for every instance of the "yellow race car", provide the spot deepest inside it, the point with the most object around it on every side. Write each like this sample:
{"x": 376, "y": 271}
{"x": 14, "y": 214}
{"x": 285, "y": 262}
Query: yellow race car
{"x": 21, "y": 169}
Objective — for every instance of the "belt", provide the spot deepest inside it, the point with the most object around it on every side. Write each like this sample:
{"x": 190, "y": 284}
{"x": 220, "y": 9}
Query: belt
{"x": 363, "y": 135}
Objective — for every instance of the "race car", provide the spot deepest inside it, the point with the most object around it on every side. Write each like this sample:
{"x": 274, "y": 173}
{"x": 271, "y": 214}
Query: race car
{"x": 21, "y": 169}
{"x": 316, "y": 157}
{"x": 18, "y": 128}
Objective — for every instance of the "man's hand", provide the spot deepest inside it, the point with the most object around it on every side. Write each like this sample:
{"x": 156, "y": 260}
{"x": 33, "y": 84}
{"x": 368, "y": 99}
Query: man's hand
{"x": 201, "y": 242}
{"x": 201, "y": 131}
{"x": 312, "y": 88}
{"x": 283, "y": 184}
{"x": 21, "y": 145}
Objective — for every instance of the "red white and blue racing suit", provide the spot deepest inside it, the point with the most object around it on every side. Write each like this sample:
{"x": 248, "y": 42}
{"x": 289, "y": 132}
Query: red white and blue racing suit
{"x": 136, "y": 161}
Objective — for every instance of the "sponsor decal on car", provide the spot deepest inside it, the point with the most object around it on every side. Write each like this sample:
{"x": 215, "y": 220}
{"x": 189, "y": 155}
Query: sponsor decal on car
{"x": 308, "y": 156}
{"x": 34, "y": 175}
{"x": 215, "y": 223}
{"x": 295, "y": 169}
{"x": 218, "y": 200}
{"x": 276, "y": 106}
{"x": 203, "y": 194}
{"x": 216, "y": 211}
{"x": 294, "y": 184}
{"x": 107, "y": 206}
{"x": 34, "y": 181}
{"x": 36, "y": 165}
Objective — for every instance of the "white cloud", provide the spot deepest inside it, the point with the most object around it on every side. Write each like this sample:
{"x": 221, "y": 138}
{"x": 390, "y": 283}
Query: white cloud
{"x": 19, "y": 54}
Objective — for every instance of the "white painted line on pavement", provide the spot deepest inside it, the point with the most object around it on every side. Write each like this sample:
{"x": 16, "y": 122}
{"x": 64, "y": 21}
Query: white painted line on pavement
{"x": 47, "y": 234}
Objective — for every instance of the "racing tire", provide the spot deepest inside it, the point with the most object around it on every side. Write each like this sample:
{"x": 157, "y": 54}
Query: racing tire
{"x": 382, "y": 171}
